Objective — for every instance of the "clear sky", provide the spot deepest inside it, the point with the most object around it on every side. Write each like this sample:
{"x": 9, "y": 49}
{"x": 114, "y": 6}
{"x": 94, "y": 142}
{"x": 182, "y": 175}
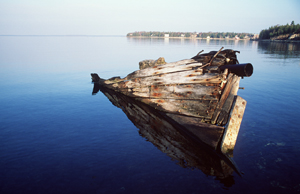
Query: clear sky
{"x": 118, "y": 17}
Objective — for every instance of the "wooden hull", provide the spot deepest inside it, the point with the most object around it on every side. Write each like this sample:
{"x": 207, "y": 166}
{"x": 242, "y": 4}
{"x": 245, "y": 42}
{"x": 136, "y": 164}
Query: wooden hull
{"x": 198, "y": 93}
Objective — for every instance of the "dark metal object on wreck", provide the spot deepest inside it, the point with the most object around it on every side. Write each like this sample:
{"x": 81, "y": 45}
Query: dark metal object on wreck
{"x": 241, "y": 70}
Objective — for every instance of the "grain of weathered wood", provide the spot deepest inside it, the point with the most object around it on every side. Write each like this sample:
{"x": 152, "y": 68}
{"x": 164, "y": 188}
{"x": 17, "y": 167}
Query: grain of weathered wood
{"x": 163, "y": 69}
{"x": 185, "y": 77}
{"x": 164, "y": 66}
{"x": 194, "y": 91}
{"x": 172, "y": 91}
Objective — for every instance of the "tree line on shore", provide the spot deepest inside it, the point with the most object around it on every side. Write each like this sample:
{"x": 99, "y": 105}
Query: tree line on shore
{"x": 274, "y": 32}
{"x": 279, "y": 30}
{"x": 192, "y": 34}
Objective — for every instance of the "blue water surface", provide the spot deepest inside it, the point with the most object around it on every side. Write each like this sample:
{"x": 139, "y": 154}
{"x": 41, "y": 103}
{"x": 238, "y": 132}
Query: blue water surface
{"x": 56, "y": 137}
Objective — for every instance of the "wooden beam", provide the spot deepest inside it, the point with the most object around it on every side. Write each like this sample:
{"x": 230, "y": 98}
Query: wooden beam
{"x": 233, "y": 126}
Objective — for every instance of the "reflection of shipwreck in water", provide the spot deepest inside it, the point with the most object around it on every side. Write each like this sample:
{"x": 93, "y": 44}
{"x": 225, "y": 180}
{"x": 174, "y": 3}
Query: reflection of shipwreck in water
{"x": 172, "y": 135}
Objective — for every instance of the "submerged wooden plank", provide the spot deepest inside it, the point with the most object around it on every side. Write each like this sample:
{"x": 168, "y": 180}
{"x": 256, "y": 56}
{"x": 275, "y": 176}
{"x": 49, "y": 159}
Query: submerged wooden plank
{"x": 207, "y": 133}
{"x": 233, "y": 126}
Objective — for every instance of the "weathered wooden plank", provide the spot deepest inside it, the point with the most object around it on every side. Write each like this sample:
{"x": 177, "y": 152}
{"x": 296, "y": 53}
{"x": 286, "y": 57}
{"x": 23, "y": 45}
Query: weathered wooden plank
{"x": 163, "y": 69}
{"x": 186, "y": 91}
{"x": 186, "y": 77}
{"x": 230, "y": 80}
{"x": 172, "y": 64}
{"x": 196, "y": 90}
{"x": 233, "y": 127}
{"x": 224, "y": 114}
{"x": 196, "y": 108}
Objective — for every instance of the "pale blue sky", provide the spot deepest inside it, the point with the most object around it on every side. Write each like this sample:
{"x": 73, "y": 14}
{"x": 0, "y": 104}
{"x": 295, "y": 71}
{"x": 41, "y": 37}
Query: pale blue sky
{"x": 118, "y": 17}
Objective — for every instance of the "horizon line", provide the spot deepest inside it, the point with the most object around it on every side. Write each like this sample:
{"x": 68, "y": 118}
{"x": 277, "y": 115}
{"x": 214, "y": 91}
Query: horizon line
{"x": 56, "y": 35}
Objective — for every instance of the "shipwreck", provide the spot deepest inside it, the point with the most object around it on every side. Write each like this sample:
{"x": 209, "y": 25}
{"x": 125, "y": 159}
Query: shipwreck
{"x": 198, "y": 95}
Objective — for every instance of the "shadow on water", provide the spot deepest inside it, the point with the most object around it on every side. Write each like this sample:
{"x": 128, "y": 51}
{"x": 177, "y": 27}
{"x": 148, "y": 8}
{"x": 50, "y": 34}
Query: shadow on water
{"x": 172, "y": 138}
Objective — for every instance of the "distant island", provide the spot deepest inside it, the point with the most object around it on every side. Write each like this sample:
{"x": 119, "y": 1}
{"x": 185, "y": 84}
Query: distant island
{"x": 288, "y": 32}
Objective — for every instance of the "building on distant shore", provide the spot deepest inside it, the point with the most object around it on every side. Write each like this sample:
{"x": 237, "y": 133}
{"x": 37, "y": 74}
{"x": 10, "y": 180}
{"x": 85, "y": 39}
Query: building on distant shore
{"x": 255, "y": 36}
{"x": 167, "y": 35}
{"x": 193, "y": 35}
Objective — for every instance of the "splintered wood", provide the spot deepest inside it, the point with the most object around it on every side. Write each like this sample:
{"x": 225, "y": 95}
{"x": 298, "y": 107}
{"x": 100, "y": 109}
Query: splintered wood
{"x": 180, "y": 87}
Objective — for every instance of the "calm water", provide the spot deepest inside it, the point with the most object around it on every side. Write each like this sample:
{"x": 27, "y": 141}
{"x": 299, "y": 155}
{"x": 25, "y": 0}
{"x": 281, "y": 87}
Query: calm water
{"x": 56, "y": 137}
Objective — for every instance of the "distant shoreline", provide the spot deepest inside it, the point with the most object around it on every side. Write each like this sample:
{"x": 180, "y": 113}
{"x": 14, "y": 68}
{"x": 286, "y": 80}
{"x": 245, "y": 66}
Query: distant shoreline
{"x": 186, "y": 38}
{"x": 199, "y": 38}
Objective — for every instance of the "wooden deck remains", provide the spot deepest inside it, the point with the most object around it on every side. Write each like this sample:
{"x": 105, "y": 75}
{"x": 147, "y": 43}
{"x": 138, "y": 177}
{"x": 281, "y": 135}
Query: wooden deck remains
{"x": 199, "y": 91}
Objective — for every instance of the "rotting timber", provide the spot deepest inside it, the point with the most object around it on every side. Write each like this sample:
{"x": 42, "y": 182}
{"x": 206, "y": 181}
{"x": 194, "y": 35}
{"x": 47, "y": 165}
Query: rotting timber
{"x": 199, "y": 93}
